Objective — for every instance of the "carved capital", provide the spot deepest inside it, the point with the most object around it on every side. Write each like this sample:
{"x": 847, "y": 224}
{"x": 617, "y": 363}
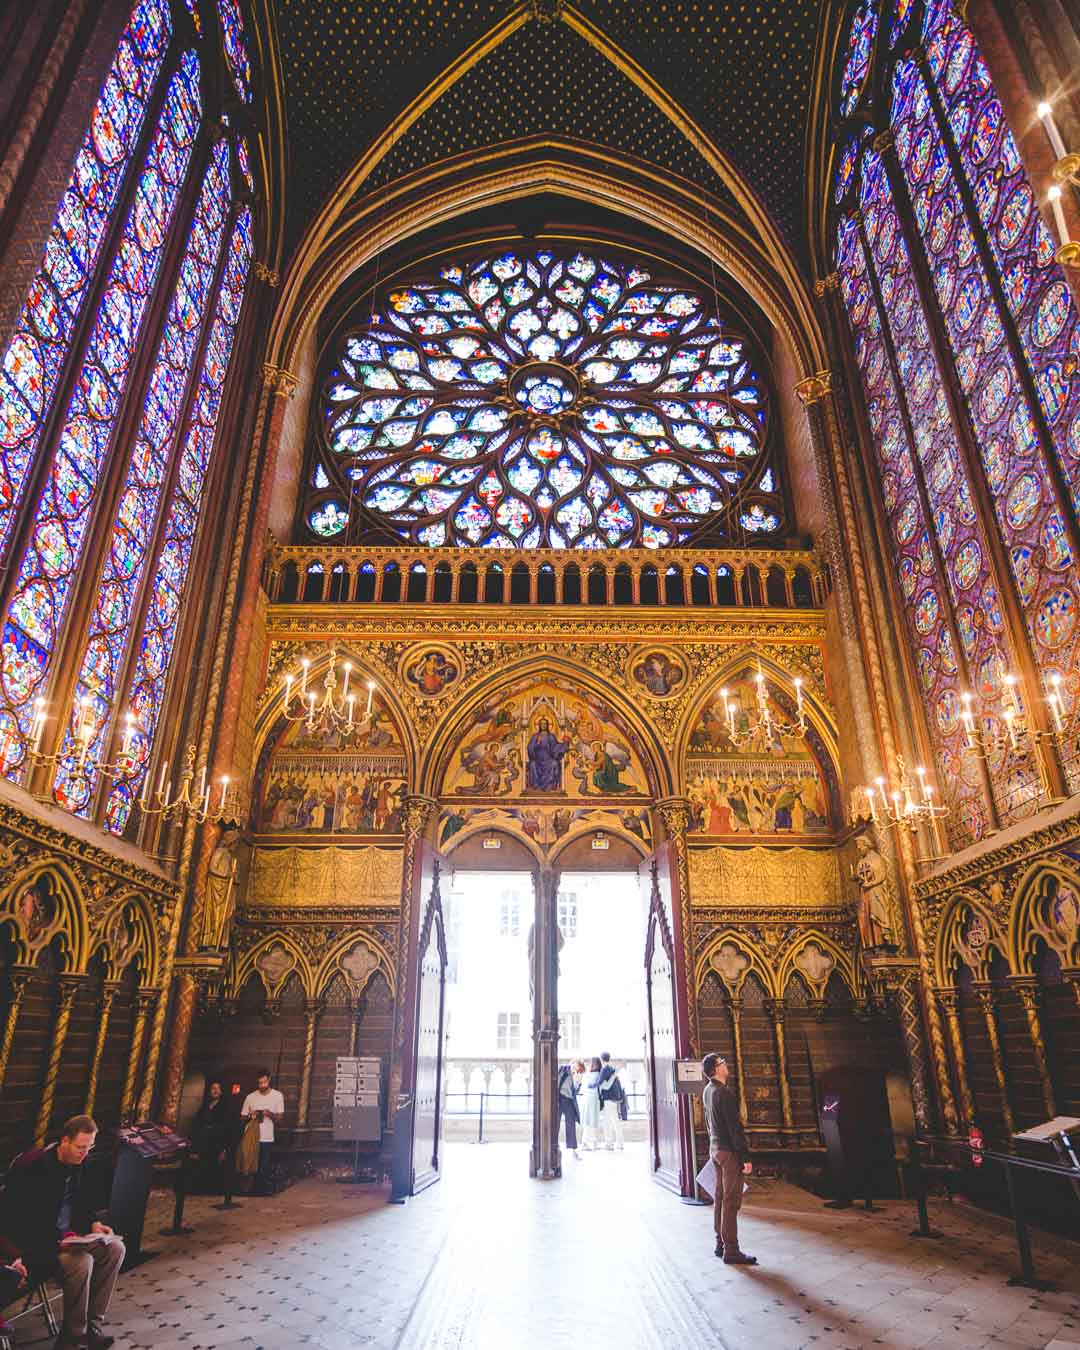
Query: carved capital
{"x": 814, "y": 388}
{"x": 67, "y": 986}
{"x": 1028, "y": 990}
{"x": 268, "y": 275}
{"x": 948, "y": 1001}
{"x": 987, "y": 996}
{"x": 279, "y": 381}
{"x": 146, "y": 1001}
{"x": 776, "y": 1010}
{"x": 818, "y": 1009}
{"x": 314, "y": 1009}
{"x": 675, "y": 814}
{"x": 418, "y": 811}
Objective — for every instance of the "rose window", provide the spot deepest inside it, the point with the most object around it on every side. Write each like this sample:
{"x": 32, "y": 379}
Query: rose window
{"x": 538, "y": 401}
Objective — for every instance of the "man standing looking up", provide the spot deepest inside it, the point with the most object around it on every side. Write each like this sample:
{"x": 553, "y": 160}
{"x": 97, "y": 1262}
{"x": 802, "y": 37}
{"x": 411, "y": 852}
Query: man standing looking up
{"x": 727, "y": 1148}
{"x": 267, "y": 1105}
{"x": 49, "y": 1221}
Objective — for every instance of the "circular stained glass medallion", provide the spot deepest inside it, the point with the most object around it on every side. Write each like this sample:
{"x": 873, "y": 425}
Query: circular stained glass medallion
{"x": 533, "y": 400}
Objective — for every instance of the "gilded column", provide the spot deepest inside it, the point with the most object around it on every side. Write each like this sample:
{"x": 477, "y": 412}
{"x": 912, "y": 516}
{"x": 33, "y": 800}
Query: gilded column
{"x": 949, "y": 1002}
{"x": 675, "y": 813}
{"x": 736, "y": 1004}
{"x": 1027, "y": 987}
{"x": 67, "y": 986}
{"x": 144, "y": 1003}
{"x": 988, "y": 1002}
{"x": 312, "y": 1012}
{"x": 104, "y": 1012}
{"x": 418, "y": 813}
{"x": 775, "y": 1008}
{"x": 184, "y": 1001}
{"x": 18, "y": 978}
{"x": 897, "y": 980}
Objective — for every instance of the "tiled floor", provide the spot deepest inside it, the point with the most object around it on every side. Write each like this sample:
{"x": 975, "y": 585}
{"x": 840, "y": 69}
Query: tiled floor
{"x": 603, "y": 1259}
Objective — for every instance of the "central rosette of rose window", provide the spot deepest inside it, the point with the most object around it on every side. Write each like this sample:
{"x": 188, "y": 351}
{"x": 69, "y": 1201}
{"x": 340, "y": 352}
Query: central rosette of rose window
{"x": 544, "y": 389}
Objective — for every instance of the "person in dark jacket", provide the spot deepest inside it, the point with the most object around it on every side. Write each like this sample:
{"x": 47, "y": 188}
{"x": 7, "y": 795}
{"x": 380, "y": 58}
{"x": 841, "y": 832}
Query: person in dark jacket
{"x": 570, "y": 1076}
{"x": 214, "y": 1132}
{"x": 727, "y": 1148}
{"x": 612, "y": 1097}
{"x": 47, "y": 1200}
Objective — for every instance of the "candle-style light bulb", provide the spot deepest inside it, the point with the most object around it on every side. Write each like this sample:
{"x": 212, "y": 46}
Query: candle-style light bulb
{"x": 1053, "y": 196}
{"x": 345, "y": 686}
{"x": 1046, "y": 117}
{"x": 1010, "y": 719}
{"x": 224, "y": 789}
{"x": 288, "y": 691}
{"x": 370, "y": 695}
{"x": 129, "y": 731}
{"x": 352, "y": 708}
{"x": 1011, "y": 687}
{"x": 304, "y": 664}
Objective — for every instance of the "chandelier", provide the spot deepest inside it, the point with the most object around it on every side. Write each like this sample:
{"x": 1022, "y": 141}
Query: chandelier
{"x": 331, "y": 712}
{"x": 901, "y": 805}
{"x": 762, "y": 725}
{"x": 160, "y": 801}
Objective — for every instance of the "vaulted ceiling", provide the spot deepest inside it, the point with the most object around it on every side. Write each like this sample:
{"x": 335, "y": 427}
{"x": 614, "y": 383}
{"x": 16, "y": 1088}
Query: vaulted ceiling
{"x": 741, "y": 70}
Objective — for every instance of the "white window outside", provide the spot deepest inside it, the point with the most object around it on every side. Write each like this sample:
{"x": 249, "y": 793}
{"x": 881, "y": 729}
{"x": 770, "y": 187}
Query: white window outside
{"x": 508, "y": 1031}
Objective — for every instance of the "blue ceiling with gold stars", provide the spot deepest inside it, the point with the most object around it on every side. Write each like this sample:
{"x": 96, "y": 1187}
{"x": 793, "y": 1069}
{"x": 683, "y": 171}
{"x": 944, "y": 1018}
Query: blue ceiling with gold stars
{"x": 741, "y": 69}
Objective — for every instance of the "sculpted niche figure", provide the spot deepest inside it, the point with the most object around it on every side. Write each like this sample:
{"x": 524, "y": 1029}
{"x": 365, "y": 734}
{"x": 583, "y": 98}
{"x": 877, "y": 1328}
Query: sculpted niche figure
{"x": 872, "y": 876}
{"x": 220, "y": 899}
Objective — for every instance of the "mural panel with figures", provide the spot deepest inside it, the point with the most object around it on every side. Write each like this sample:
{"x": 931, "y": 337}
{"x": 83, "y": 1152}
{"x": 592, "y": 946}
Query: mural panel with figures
{"x": 335, "y": 782}
{"x": 544, "y": 742}
{"x": 746, "y": 775}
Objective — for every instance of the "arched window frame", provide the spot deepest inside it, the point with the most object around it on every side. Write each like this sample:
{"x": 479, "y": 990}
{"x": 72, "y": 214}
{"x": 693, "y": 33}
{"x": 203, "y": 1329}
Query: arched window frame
{"x": 756, "y": 512}
{"x": 146, "y": 481}
{"x": 999, "y": 784}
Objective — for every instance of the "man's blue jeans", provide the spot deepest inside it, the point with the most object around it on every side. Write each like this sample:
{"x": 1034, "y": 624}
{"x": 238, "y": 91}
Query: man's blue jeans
{"x": 262, "y": 1176}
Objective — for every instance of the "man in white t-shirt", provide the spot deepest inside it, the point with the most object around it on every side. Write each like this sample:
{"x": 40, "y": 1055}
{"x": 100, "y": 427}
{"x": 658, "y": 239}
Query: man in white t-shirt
{"x": 267, "y": 1105}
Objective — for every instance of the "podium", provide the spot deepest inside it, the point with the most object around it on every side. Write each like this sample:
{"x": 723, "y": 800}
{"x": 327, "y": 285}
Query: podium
{"x": 139, "y": 1148}
{"x": 358, "y": 1105}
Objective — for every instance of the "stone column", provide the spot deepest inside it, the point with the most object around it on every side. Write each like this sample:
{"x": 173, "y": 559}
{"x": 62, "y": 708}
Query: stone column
{"x": 188, "y": 970}
{"x": 988, "y": 1002}
{"x": 735, "y": 1003}
{"x": 896, "y": 979}
{"x": 67, "y": 986}
{"x": 546, "y": 1161}
{"x": 108, "y": 993}
{"x": 949, "y": 1002}
{"x": 18, "y": 978}
{"x": 312, "y": 1012}
{"x": 675, "y": 813}
{"x": 144, "y": 1004}
{"x": 1029, "y": 990}
{"x": 418, "y": 815}
{"x": 775, "y": 1008}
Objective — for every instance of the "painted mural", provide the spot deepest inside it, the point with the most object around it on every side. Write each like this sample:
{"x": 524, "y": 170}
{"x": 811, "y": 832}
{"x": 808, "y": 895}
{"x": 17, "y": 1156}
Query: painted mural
{"x": 542, "y": 742}
{"x": 336, "y": 782}
{"x": 748, "y": 777}
{"x": 545, "y": 826}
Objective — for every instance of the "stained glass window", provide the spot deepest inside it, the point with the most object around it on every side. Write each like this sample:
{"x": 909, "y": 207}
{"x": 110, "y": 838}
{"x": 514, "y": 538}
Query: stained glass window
{"x": 52, "y": 555}
{"x": 35, "y": 357}
{"x": 543, "y": 401}
{"x": 236, "y": 52}
{"x": 1027, "y": 508}
{"x": 154, "y": 652}
{"x": 132, "y": 531}
{"x": 860, "y": 49}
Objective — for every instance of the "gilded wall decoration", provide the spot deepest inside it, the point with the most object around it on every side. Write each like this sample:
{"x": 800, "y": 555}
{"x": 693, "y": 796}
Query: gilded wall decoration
{"x": 758, "y": 876}
{"x": 656, "y": 672}
{"x": 333, "y": 876}
{"x": 335, "y": 780}
{"x": 544, "y": 826}
{"x": 430, "y": 671}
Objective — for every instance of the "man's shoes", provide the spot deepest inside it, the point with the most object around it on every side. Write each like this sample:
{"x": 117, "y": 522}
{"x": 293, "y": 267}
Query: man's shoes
{"x": 740, "y": 1259}
{"x": 719, "y": 1251}
{"x": 63, "y": 1342}
{"x": 97, "y": 1340}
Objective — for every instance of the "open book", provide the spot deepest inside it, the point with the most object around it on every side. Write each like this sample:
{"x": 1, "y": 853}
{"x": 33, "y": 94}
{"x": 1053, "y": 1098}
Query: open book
{"x": 87, "y": 1239}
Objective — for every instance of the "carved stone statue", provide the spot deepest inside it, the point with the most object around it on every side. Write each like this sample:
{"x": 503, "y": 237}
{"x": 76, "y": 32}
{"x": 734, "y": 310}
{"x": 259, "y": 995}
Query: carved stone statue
{"x": 219, "y": 902}
{"x": 872, "y": 876}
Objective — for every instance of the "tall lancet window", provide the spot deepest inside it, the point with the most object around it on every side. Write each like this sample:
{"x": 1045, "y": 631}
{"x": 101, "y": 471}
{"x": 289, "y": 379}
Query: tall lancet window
{"x": 958, "y": 309}
{"x": 102, "y": 449}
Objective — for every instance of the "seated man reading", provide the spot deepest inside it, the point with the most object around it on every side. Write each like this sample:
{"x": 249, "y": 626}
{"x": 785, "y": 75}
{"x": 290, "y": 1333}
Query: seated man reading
{"x": 48, "y": 1224}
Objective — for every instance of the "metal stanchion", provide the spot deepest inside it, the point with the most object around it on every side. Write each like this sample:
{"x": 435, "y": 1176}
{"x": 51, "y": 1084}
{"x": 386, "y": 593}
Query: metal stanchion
{"x": 480, "y": 1134}
{"x": 180, "y": 1188}
{"x": 228, "y": 1181}
{"x": 918, "y": 1188}
{"x": 1027, "y": 1277}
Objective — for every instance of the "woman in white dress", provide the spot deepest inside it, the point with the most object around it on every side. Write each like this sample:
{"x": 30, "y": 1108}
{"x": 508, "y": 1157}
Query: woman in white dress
{"x": 590, "y": 1107}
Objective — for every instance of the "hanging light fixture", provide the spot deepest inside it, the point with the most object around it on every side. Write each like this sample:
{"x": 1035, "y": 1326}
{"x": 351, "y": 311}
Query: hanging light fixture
{"x": 902, "y": 804}
{"x": 761, "y": 724}
{"x": 332, "y": 711}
